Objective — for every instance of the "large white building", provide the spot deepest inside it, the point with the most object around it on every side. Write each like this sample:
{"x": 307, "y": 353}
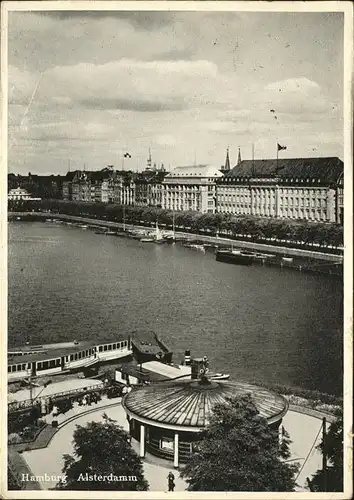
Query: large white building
{"x": 190, "y": 188}
{"x": 20, "y": 194}
{"x": 297, "y": 188}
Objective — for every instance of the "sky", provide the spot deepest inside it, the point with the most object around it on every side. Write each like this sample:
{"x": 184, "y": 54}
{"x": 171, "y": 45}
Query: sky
{"x": 86, "y": 87}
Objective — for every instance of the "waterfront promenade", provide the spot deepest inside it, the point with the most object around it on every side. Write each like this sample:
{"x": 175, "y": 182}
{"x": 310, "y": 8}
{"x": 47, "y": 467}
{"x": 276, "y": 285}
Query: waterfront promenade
{"x": 302, "y": 427}
{"x": 259, "y": 247}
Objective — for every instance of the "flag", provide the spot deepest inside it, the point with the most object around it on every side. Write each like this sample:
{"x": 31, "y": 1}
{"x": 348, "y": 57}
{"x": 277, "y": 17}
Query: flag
{"x": 280, "y": 147}
{"x": 127, "y": 155}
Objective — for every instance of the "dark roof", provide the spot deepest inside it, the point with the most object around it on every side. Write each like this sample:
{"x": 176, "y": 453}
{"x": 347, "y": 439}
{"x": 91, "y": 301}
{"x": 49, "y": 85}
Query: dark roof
{"x": 70, "y": 175}
{"x": 326, "y": 169}
{"x": 186, "y": 403}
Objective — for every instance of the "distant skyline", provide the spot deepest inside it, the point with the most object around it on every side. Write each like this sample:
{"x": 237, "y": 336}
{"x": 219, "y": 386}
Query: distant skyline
{"x": 88, "y": 87}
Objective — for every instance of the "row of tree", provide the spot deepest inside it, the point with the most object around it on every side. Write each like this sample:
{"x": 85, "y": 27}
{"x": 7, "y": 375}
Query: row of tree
{"x": 257, "y": 229}
{"x": 238, "y": 451}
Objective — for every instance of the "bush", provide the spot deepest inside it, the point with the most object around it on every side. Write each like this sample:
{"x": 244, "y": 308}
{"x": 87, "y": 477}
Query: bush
{"x": 14, "y": 438}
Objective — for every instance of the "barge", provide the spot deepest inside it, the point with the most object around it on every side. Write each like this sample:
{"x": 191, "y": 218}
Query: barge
{"x": 149, "y": 347}
{"x": 234, "y": 257}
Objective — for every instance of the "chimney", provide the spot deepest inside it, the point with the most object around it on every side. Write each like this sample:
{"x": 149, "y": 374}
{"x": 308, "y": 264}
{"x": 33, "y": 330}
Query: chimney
{"x": 187, "y": 358}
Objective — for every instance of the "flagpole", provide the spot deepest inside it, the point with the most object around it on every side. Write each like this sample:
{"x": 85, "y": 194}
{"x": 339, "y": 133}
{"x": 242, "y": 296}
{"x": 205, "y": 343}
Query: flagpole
{"x": 277, "y": 156}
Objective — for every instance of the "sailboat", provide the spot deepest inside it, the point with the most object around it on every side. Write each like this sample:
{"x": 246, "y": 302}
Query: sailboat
{"x": 158, "y": 236}
{"x": 155, "y": 237}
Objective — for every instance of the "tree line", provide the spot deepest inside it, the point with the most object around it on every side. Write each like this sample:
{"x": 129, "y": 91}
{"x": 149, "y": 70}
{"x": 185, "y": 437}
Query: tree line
{"x": 295, "y": 233}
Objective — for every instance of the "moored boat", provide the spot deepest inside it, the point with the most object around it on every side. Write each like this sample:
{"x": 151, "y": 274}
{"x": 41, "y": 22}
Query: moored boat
{"x": 149, "y": 347}
{"x": 52, "y": 359}
{"x": 219, "y": 376}
{"x": 195, "y": 246}
{"x": 147, "y": 240}
{"x": 234, "y": 257}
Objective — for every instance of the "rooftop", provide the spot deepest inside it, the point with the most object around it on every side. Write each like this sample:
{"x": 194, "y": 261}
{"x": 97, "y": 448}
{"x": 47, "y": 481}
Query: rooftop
{"x": 195, "y": 171}
{"x": 326, "y": 169}
{"x": 188, "y": 404}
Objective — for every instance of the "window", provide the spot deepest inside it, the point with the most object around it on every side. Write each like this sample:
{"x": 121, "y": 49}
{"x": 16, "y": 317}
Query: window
{"x": 45, "y": 365}
{"x": 166, "y": 444}
{"x": 9, "y": 369}
{"x": 110, "y": 347}
{"x": 105, "y": 348}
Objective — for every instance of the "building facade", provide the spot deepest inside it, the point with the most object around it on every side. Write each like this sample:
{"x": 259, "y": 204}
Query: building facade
{"x": 120, "y": 187}
{"x": 190, "y": 188}
{"x": 20, "y": 194}
{"x": 301, "y": 188}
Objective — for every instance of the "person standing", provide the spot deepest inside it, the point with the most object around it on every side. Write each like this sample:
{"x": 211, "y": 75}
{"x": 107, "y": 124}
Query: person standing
{"x": 171, "y": 481}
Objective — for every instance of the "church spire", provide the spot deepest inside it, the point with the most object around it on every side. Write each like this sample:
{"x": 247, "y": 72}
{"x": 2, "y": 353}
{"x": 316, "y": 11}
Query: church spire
{"x": 239, "y": 156}
{"x": 149, "y": 161}
{"x": 227, "y": 161}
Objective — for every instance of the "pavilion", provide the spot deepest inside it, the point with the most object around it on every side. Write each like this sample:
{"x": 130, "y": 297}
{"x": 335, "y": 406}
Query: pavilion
{"x": 167, "y": 418}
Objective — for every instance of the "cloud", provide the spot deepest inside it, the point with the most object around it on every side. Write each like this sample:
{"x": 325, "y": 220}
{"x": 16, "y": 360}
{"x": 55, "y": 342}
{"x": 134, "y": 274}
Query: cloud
{"x": 146, "y": 20}
{"x": 137, "y": 85}
{"x": 298, "y": 85}
{"x": 296, "y": 96}
{"x": 69, "y": 131}
{"x": 139, "y": 105}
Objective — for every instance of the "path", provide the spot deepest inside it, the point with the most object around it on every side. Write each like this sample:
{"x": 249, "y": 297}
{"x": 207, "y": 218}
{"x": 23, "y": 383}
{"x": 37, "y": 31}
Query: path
{"x": 302, "y": 429}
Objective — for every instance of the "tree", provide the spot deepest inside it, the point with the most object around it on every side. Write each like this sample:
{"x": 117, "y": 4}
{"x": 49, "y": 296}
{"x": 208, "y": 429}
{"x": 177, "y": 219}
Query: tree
{"x": 239, "y": 451}
{"x": 334, "y": 451}
{"x": 103, "y": 449}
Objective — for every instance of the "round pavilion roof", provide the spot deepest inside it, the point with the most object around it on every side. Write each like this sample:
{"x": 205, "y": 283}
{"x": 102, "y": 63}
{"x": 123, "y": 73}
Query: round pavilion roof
{"x": 188, "y": 404}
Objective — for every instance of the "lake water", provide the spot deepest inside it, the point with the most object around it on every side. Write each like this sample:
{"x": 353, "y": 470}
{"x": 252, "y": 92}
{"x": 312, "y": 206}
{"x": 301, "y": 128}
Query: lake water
{"x": 256, "y": 323}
